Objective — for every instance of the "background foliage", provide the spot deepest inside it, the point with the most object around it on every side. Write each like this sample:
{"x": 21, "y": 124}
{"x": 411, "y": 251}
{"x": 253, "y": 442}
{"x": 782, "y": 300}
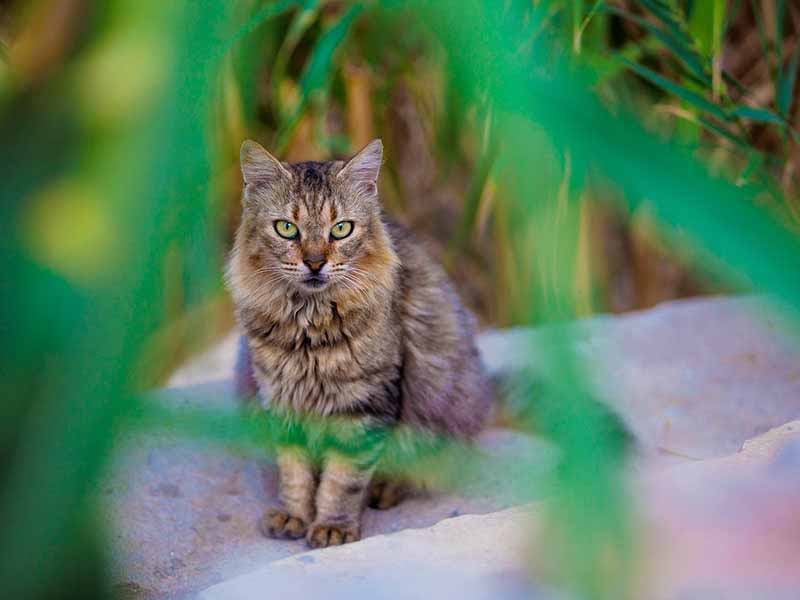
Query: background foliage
{"x": 717, "y": 78}
{"x": 561, "y": 157}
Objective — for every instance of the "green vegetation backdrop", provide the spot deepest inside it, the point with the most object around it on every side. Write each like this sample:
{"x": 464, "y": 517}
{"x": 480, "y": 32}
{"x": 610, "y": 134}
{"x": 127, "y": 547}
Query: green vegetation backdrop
{"x": 510, "y": 120}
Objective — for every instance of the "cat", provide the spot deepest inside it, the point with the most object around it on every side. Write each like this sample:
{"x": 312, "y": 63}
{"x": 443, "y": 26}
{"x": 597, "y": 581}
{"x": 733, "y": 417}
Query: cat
{"x": 353, "y": 332}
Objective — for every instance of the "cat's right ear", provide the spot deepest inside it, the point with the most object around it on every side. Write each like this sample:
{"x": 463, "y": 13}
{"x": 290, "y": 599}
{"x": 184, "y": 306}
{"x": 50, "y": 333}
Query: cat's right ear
{"x": 259, "y": 166}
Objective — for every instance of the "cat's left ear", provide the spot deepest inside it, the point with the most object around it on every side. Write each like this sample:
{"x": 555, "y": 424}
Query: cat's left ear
{"x": 363, "y": 169}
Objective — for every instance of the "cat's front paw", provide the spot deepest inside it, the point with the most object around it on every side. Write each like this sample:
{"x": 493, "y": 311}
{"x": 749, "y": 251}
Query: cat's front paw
{"x": 279, "y": 524}
{"x": 322, "y": 536}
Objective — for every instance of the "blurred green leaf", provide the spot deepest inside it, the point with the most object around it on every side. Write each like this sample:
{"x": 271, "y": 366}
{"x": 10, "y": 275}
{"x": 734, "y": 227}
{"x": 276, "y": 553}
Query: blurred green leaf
{"x": 683, "y": 51}
{"x": 91, "y": 334}
{"x": 477, "y": 187}
{"x": 678, "y": 90}
{"x": 300, "y": 23}
{"x": 701, "y": 24}
{"x": 780, "y": 27}
{"x": 318, "y": 72}
{"x": 788, "y": 80}
{"x": 758, "y": 114}
{"x": 259, "y": 18}
{"x": 707, "y": 24}
{"x": 672, "y": 17}
{"x": 737, "y": 140}
{"x": 95, "y": 336}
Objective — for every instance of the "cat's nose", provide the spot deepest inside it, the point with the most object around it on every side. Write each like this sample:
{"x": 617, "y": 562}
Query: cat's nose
{"x": 315, "y": 263}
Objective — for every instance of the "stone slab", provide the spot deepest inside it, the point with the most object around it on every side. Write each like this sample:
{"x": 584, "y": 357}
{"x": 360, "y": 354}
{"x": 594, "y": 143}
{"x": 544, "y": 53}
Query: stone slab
{"x": 721, "y": 528}
{"x": 693, "y": 379}
{"x": 184, "y": 515}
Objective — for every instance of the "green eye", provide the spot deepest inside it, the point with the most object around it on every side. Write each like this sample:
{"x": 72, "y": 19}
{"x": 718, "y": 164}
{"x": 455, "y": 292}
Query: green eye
{"x": 342, "y": 229}
{"x": 286, "y": 229}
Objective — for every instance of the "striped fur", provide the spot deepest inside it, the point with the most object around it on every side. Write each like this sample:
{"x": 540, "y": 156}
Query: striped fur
{"x": 379, "y": 343}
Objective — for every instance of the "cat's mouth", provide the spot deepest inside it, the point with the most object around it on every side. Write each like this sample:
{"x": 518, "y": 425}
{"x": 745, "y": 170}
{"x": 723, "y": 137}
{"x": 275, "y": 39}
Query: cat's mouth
{"x": 315, "y": 283}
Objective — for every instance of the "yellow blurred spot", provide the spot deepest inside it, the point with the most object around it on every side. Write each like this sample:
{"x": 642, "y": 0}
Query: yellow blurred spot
{"x": 124, "y": 75}
{"x": 69, "y": 229}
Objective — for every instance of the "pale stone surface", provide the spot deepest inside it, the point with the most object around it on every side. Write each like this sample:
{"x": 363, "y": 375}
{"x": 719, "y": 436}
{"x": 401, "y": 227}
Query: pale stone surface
{"x": 415, "y": 563}
{"x": 722, "y": 528}
{"x": 693, "y": 379}
{"x": 185, "y": 515}
{"x": 726, "y": 527}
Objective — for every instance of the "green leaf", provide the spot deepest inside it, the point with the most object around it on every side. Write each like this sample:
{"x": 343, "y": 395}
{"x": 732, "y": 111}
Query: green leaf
{"x": 671, "y": 18}
{"x": 263, "y": 15}
{"x": 738, "y": 141}
{"x": 780, "y": 17}
{"x": 320, "y": 67}
{"x": 701, "y": 24}
{"x": 697, "y": 64}
{"x": 780, "y": 14}
{"x": 758, "y": 114}
{"x": 302, "y": 20}
{"x": 678, "y": 90}
{"x": 318, "y": 72}
{"x": 720, "y": 27}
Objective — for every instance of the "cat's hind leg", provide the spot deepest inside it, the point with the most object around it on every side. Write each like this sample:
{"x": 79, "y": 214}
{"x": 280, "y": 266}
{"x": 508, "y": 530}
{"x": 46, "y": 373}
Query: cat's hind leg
{"x": 386, "y": 492}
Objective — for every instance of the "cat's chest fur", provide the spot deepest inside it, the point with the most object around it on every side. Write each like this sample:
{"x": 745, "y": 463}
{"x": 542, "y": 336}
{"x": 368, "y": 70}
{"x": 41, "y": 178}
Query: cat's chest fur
{"x": 317, "y": 356}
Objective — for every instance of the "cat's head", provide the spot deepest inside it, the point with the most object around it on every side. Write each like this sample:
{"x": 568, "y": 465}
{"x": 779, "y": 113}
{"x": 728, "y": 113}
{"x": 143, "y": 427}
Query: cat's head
{"x": 313, "y": 227}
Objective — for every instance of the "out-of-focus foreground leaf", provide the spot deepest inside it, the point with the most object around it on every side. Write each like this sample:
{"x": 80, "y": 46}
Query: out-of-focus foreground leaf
{"x": 108, "y": 167}
{"x": 719, "y": 218}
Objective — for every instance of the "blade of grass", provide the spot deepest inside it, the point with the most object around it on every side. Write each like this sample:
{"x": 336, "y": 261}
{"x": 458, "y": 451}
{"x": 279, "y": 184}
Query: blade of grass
{"x": 577, "y": 41}
{"x": 788, "y": 79}
{"x": 264, "y": 14}
{"x": 716, "y": 51}
{"x": 760, "y": 115}
{"x": 670, "y": 18}
{"x": 701, "y": 25}
{"x": 678, "y": 90}
{"x": 706, "y": 23}
{"x": 780, "y": 19}
{"x": 685, "y": 53}
{"x": 318, "y": 73}
{"x": 575, "y": 21}
{"x": 477, "y": 186}
{"x": 301, "y": 22}
{"x": 737, "y": 140}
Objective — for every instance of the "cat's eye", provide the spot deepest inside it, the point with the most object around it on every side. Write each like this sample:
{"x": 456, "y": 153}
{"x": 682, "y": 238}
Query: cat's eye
{"x": 341, "y": 230}
{"x": 286, "y": 229}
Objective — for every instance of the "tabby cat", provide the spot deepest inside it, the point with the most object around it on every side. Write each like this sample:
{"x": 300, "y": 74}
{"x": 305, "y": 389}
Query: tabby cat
{"x": 353, "y": 333}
